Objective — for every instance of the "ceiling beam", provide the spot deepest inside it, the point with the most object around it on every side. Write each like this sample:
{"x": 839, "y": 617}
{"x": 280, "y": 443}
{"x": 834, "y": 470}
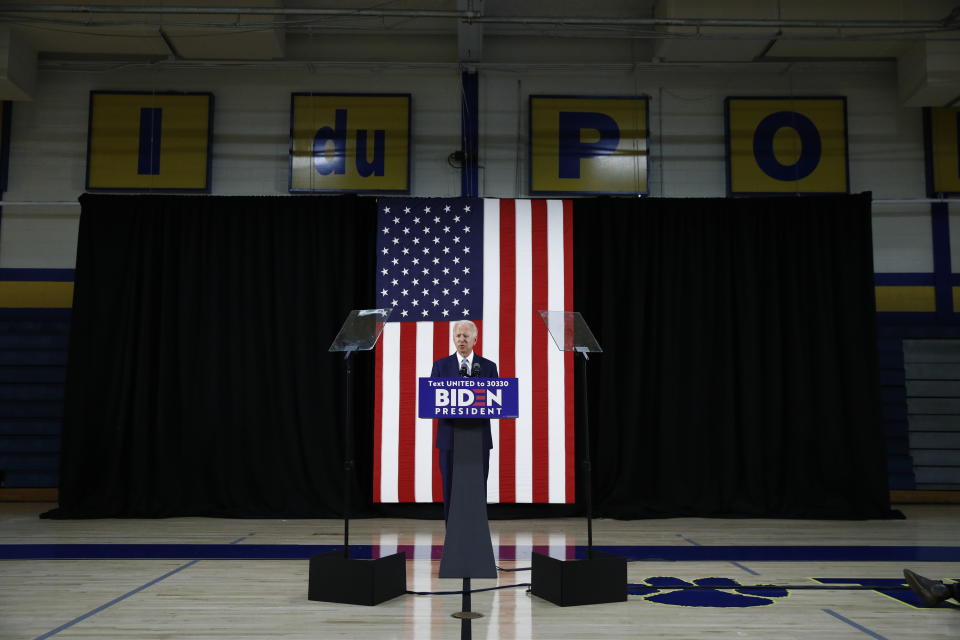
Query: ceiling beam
{"x": 950, "y": 22}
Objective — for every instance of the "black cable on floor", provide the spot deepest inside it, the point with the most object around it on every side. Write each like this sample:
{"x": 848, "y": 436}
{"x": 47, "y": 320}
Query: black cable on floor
{"x": 460, "y": 592}
{"x": 517, "y": 569}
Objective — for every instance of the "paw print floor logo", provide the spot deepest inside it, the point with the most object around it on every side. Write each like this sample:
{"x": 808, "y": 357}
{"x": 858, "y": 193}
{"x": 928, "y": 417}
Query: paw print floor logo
{"x": 654, "y": 591}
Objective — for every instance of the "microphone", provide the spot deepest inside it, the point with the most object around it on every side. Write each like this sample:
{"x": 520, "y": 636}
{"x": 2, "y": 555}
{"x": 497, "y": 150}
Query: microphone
{"x": 463, "y": 369}
{"x": 476, "y": 370}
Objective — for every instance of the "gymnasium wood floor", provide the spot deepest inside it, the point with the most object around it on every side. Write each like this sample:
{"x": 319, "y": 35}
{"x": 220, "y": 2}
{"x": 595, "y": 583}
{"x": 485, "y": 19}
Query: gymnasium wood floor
{"x": 123, "y": 579}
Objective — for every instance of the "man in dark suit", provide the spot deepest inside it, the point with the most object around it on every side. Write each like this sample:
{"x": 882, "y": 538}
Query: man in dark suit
{"x": 463, "y": 362}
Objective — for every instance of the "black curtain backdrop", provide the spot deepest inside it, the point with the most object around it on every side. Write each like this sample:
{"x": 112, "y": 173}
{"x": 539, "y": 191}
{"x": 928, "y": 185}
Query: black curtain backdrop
{"x": 199, "y": 381}
{"x": 739, "y": 376}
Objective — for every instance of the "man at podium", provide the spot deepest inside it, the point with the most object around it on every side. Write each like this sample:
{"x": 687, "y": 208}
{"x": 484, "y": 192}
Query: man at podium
{"x": 462, "y": 363}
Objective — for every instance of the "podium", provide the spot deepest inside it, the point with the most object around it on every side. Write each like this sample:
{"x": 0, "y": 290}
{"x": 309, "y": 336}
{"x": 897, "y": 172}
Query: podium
{"x": 467, "y": 402}
{"x": 600, "y": 577}
{"x": 334, "y": 576}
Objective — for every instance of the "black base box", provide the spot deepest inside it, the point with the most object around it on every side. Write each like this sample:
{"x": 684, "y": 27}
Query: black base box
{"x": 575, "y": 582}
{"x": 334, "y": 578}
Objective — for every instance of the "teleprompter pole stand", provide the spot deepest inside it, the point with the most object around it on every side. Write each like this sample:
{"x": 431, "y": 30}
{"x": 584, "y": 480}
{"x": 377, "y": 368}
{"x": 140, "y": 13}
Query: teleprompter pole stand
{"x": 599, "y": 577}
{"x": 347, "y": 449}
{"x": 587, "y": 463}
{"x": 334, "y": 576}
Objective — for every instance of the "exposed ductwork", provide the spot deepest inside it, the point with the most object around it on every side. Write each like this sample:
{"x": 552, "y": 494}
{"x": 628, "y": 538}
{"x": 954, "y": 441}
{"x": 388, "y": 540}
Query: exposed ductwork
{"x": 924, "y": 37}
{"x": 18, "y": 66}
{"x": 948, "y": 22}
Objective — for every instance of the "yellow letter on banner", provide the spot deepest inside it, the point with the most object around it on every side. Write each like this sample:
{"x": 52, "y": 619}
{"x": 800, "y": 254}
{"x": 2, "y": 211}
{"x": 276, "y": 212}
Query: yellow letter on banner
{"x": 588, "y": 145}
{"x": 149, "y": 141}
{"x": 351, "y": 143}
{"x": 943, "y": 149}
{"x": 786, "y": 145}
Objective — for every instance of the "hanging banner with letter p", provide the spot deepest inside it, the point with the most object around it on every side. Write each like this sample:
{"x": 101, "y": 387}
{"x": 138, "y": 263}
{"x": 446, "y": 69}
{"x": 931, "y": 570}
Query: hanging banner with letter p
{"x": 581, "y": 145}
{"x": 786, "y": 145}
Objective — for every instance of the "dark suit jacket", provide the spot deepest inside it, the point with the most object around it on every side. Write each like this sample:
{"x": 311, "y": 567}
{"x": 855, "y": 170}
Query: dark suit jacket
{"x": 449, "y": 367}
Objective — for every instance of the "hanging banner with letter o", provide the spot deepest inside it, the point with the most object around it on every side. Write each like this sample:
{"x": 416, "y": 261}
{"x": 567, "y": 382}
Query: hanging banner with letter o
{"x": 350, "y": 142}
{"x": 588, "y": 145}
{"x": 942, "y": 129}
{"x": 786, "y": 145}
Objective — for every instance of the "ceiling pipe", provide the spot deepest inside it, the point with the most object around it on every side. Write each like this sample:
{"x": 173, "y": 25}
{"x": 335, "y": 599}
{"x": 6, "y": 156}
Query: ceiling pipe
{"x": 74, "y": 203}
{"x": 949, "y": 22}
{"x": 722, "y": 22}
{"x": 253, "y": 11}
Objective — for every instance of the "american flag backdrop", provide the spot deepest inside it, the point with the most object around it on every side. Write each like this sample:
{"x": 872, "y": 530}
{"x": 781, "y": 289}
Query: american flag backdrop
{"x": 496, "y": 262}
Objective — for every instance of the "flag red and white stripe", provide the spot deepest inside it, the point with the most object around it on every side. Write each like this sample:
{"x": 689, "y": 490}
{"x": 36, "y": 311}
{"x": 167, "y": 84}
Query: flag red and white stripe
{"x": 527, "y": 267}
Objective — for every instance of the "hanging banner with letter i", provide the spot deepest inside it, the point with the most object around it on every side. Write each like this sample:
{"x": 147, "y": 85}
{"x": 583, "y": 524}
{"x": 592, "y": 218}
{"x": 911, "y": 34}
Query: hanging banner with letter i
{"x": 147, "y": 141}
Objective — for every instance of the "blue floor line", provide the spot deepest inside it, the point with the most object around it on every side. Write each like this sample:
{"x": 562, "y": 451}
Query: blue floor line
{"x": 860, "y": 627}
{"x": 113, "y": 602}
{"x": 126, "y": 595}
{"x": 747, "y": 569}
{"x": 898, "y": 554}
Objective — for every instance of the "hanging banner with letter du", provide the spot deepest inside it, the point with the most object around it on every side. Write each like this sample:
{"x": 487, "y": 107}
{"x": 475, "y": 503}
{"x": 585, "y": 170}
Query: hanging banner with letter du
{"x": 350, "y": 142}
{"x": 482, "y": 398}
{"x": 588, "y": 145}
{"x": 786, "y": 145}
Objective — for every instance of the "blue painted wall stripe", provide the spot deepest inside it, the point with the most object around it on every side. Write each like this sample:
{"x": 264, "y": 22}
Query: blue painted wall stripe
{"x": 903, "y": 279}
{"x": 37, "y": 275}
{"x": 940, "y": 227}
{"x": 150, "y": 124}
{"x": 470, "y": 135}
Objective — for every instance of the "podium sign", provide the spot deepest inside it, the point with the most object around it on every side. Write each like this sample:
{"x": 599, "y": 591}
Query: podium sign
{"x": 471, "y": 398}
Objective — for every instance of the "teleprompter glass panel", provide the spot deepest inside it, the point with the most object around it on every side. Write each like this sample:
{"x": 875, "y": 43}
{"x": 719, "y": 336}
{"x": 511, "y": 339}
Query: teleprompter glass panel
{"x": 360, "y": 330}
{"x": 570, "y": 331}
